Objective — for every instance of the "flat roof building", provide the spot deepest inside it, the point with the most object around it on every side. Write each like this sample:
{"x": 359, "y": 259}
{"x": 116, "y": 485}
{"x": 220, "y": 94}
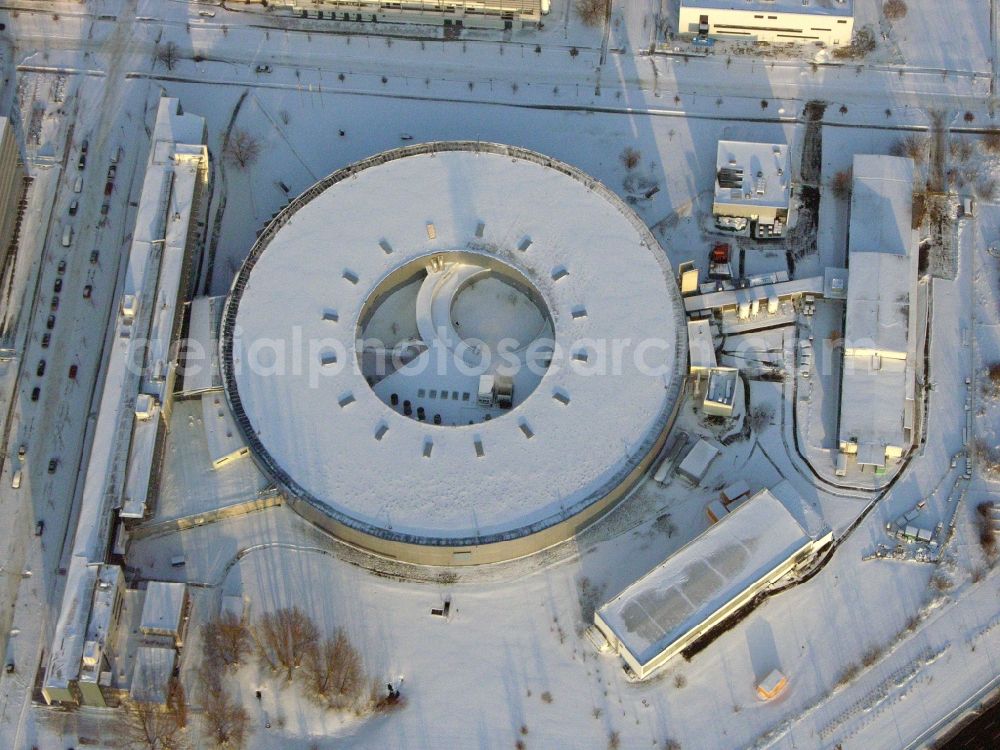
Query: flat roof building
{"x": 167, "y": 235}
{"x": 720, "y": 396}
{"x": 455, "y": 14}
{"x": 747, "y": 550}
{"x": 699, "y": 458}
{"x": 151, "y": 676}
{"x": 701, "y": 347}
{"x": 878, "y": 384}
{"x": 775, "y": 21}
{"x": 12, "y": 187}
{"x": 163, "y": 611}
{"x": 753, "y": 187}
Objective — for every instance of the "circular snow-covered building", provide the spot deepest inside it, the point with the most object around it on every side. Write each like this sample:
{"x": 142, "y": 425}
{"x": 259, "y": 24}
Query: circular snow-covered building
{"x": 455, "y": 353}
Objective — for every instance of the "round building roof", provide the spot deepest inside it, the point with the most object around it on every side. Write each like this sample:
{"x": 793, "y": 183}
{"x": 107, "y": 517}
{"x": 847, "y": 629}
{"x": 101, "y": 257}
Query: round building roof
{"x": 453, "y": 344}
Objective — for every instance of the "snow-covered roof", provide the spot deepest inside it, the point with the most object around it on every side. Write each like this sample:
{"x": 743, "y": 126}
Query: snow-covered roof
{"x": 722, "y": 383}
{"x": 698, "y": 459}
{"x": 700, "y": 344}
{"x": 201, "y": 365}
{"x": 881, "y": 204}
{"x": 879, "y": 334}
{"x": 844, "y": 8}
{"x": 140, "y": 464}
{"x": 704, "y": 576}
{"x": 221, "y": 433}
{"x": 109, "y": 584}
{"x": 154, "y": 667}
{"x": 879, "y": 290}
{"x": 752, "y": 174}
{"x": 107, "y": 465}
{"x": 336, "y": 444}
{"x": 163, "y": 609}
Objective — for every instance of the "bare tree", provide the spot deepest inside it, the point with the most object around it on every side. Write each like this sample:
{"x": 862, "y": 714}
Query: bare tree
{"x": 225, "y": 640}
{"x": 991, "y": 141}
{"x": 986, "y": 189}
{"x": 284, "y": 638}
{"x": 148, "y": 726}
{"x": 334, "y": 674}
{"x": 912, "y": 146}
{"x": 894, "y": 10}
{"x": 226, "y": 722}
{"x": 760, "y": 417}
{"x": 630, "y": 157}
{"x": 242, "y": 149}
{"x": 841, "y": 184}
{"x": 592, "y": 12}
{"x": 167, "y": 55}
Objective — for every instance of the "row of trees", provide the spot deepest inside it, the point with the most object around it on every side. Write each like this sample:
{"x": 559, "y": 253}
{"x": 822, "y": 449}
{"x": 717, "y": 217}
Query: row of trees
{"x": 286, "y": 643}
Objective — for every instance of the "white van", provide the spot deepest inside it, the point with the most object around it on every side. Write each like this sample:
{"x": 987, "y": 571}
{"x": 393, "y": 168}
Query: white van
{"x": 67, "y": 238}
{"x": 78, "y": 185}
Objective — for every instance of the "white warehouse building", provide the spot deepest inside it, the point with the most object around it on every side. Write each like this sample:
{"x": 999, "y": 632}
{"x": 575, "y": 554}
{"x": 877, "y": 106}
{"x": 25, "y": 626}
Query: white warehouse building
{"x": 708, "y": 580}
{"x": 456, "y": 14}
{"x": 878, "y": 386}
{"x": 828, "y": 21}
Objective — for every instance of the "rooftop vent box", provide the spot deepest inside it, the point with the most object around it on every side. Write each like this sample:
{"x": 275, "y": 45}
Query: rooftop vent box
{"x": 130, "y": 306}
{"x": 143, "y": 406}
{"x": 91, "y": 654}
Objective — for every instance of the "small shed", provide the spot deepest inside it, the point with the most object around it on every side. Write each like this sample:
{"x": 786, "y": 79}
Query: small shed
{"x": 696, "y": 462}
{"x": 772, "y": 685}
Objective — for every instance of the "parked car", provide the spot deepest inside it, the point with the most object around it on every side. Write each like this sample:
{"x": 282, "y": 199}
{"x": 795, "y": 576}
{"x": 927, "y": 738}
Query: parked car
{"x": 35, "y": 393}
{"x": 87, "y": 291}
{"x": 40, "y": 370}
{"x": 73, "y": 206}
{"x": 57, "y": 287}
{"x": 112, "y": 171}
{"x": 46, "y": 338}
{"x": 72, "y": 372}
{"x": 61, "y": 268}
{"x": 94, "y": 255}
{"x": 50, "y": 323}
{"x": 53, "y": 463}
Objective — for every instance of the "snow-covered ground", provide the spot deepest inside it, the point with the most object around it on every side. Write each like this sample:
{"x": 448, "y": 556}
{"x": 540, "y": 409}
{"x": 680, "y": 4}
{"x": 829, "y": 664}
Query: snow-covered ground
{"x": 925, "y": 639}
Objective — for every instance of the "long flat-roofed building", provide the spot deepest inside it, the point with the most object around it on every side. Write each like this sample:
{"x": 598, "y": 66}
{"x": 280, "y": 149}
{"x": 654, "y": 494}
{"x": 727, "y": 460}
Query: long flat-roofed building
{"x": 11, "y": 190}
{"x": 827, "y": 21}
{"x": 753, "y": 188}
{"x": 706, "y": 581}
{"x": 502, "y": 14}
{"x": 128, "y": 431}
{"x": 877, "y": 405}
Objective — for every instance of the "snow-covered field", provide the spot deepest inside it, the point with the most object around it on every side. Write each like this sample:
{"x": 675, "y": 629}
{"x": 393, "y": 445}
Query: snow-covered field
{"x": 512, "y": 654}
